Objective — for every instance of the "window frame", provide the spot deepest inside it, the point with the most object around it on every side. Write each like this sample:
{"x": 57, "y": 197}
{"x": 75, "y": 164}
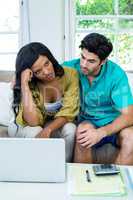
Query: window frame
{"x": 71, "y": 28}
{"x": 23, "y": 32}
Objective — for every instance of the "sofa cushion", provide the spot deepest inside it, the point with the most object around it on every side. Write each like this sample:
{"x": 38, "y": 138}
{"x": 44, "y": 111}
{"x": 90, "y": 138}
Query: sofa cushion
{"x": 3, "y": 131}
{"x": 105, "y": 154}
{"x": 6, "y": 96}
{"x": 6, "y": 76}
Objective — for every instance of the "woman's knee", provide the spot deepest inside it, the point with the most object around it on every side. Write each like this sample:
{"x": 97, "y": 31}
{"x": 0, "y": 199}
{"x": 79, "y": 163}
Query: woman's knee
{"x": 19, "y": 131}
{"x": 12, "y": 130}
{"x": 69, "y": 129}
{"x": 31, "y": 132}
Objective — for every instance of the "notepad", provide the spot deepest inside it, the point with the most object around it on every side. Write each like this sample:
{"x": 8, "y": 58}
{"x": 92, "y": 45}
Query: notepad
{"x": 130, "y": 175}
{"x": 109, "y": 185}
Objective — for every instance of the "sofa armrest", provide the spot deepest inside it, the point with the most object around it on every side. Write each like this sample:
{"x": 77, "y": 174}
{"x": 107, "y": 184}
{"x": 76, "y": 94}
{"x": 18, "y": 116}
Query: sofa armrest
{"x": 6, "y": 76}
{"x": 3, "y": 131}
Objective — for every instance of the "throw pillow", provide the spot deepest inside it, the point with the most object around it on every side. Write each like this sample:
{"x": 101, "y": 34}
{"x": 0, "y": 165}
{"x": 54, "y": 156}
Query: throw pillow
{"x": 6, "y": 96}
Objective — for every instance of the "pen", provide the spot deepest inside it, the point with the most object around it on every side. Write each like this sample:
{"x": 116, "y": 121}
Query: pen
{"x": 88, "y": 176}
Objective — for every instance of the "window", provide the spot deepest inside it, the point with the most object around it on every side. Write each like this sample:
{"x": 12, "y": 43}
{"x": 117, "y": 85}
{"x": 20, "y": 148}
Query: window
{"x": 113, "y": 18}
{"x": 10, "y": 32}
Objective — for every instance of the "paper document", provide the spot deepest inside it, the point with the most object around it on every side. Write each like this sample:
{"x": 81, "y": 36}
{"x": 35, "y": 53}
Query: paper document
{"x": 108, "y": 185}
{"x": 130, "y": 175}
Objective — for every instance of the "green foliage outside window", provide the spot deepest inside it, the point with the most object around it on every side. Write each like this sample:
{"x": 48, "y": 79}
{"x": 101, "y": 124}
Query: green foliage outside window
{"x": 94, "y": 7}
{"x": 118, "y": 29}
{"x": 126, "y": 7}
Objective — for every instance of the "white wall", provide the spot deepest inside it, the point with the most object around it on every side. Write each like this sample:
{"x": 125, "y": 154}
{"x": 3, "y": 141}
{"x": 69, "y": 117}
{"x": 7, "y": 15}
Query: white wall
{"x": 47, "y": 24}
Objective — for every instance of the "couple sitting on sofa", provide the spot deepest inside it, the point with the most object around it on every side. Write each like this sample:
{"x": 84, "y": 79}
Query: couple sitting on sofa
{"x": 46, "y": 100}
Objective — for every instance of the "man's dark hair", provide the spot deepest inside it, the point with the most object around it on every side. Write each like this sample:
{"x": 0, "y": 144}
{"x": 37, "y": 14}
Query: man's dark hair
{"x": 97, "y": 44}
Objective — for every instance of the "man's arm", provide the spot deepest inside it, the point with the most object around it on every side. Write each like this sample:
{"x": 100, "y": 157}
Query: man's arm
{"x": 122, "y": 99}
{"x": 123, "y": 121}
{"x": 89, "y": 137}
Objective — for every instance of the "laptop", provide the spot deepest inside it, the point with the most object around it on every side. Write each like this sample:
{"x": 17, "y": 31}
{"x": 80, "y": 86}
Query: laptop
{"x": 32, "y": 160}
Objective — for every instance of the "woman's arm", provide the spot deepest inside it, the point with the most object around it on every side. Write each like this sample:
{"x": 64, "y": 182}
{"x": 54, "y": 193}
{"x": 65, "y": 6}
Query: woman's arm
{"x": 70, "y": 102}
{"x": 54, "y": 125}
{"x": 30, "y": 113}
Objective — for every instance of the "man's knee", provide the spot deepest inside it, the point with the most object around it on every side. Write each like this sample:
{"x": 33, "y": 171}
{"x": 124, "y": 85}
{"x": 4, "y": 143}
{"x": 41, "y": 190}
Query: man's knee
{"x": 84, "y": 125}
{"x": 126, "y": 137}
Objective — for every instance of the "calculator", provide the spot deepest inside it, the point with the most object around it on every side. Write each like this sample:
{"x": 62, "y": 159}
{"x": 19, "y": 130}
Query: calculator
{"x": 106, "y": 169}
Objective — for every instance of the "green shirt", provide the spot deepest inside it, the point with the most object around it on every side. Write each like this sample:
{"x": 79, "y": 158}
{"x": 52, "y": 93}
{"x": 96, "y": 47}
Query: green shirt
{"x": 109, "y": 92}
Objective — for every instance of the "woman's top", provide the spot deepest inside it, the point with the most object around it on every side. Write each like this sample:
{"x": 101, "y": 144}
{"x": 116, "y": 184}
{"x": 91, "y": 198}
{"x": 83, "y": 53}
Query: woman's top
{"x": 52, "y": 108}
{"x": 69, "y": 83}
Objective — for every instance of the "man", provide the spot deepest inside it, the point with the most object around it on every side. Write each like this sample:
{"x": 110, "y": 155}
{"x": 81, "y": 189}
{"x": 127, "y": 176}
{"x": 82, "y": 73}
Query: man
{"x": 106, "y": 102}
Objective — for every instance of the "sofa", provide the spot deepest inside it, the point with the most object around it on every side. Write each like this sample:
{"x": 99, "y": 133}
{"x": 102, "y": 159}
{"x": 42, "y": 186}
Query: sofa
{"x": 100, "y": 155}
{"x": 5, "y": 76}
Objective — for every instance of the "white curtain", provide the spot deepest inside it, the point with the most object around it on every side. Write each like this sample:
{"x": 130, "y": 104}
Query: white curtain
{"x": 24, "y": 23}
{"x": 69, "y": 29}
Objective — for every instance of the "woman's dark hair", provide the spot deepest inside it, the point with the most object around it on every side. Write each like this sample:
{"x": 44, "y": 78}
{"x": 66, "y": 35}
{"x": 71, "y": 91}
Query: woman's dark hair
{"x": 97, "y": 44}
{"x": 26, "y": 56}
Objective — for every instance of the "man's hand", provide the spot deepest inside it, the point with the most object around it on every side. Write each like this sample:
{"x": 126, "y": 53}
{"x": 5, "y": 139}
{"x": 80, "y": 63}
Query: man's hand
{"x": 45, "y": 133}
{"x": 84, "y": 127}
{"x": 88, "y": 135}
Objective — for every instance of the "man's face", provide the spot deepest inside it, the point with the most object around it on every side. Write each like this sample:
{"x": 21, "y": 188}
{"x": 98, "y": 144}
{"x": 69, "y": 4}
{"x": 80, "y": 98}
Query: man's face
{"x": 90, "y": 63}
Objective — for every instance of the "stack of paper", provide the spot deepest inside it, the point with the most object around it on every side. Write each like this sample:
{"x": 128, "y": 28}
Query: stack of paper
{"x": 109, "y": 185}
{"x": 130, "y": 175}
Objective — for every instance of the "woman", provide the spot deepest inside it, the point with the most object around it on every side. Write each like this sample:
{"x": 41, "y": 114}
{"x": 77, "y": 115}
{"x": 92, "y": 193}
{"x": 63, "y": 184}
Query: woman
{"x": 46, "y": 97}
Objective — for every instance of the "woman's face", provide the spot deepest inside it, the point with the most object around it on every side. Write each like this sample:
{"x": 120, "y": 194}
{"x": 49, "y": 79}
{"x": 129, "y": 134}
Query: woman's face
{"x": 43, "y": 69}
